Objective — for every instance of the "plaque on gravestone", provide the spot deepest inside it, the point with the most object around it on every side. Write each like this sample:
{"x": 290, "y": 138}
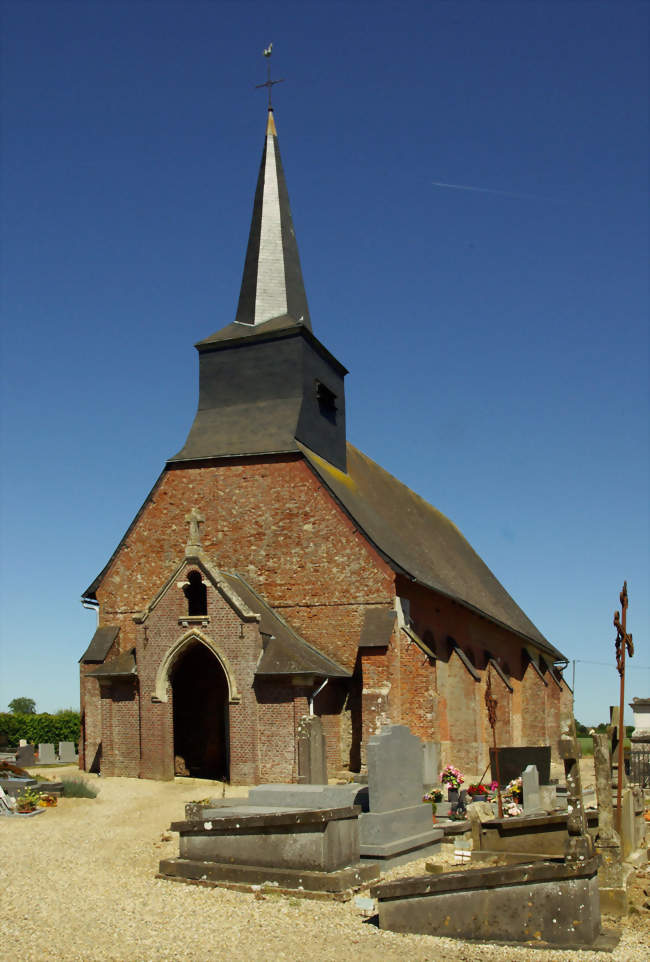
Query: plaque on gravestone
{"x": 512, "y": 762}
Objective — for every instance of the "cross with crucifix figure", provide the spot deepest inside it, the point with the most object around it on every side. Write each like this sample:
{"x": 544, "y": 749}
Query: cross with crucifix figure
{"x": 194, "y": 518}
{"x": 491, "y": 704}
{"x": 269, "y": 83}
{"x": 623, "y": 643}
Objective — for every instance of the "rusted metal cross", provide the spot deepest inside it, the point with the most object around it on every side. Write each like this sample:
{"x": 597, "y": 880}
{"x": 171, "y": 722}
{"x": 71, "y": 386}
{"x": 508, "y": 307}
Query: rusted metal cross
{"x": 491, "y": 704}
{"x": 269, "y": 83}
{"x": 623, "y": 643}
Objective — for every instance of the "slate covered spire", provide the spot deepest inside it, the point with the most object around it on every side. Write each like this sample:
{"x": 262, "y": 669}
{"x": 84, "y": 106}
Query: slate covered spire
{"x": 272, "y": 285}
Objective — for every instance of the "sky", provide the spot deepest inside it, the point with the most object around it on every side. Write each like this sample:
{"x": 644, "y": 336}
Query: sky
{"x": 469, "y": 188}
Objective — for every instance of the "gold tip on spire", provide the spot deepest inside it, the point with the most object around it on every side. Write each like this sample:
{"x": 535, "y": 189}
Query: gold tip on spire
{"x": 270, "y": 126}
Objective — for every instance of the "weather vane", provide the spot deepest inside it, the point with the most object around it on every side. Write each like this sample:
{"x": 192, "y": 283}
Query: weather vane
{"x": 269, "y": 83}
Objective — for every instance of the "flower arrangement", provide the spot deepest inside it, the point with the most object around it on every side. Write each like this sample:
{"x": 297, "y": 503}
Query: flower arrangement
{"x": 511, "y": 810}
{"x": 476, "y": 791}
{"x": 451, "y": 777}
{"x": 434, "y": 795}
{"x": 27, "y": 801}
{"x": 515, "y": 789}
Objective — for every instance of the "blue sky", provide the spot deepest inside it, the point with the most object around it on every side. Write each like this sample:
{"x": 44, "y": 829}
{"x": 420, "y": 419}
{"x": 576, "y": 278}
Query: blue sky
{"x": 496, "y": 337}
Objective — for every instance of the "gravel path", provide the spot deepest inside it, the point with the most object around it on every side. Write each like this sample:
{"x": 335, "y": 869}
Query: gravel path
{"x": 77, "y": 883}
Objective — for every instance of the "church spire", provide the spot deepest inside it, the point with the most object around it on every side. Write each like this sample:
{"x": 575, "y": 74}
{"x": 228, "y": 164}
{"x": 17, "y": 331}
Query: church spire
{"x": 272, "y": 285}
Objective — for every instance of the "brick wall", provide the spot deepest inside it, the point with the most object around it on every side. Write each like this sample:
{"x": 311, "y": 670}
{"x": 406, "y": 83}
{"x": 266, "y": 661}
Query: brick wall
{"x": 272, "y": 521}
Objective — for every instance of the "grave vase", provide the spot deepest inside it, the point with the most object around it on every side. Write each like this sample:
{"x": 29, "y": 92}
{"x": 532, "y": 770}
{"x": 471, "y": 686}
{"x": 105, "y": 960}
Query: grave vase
{"x": 452, "y": 797}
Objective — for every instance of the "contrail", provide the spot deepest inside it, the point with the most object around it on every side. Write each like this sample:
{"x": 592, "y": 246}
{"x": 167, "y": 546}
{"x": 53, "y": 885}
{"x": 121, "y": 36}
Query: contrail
{"x": 486, "y": 190}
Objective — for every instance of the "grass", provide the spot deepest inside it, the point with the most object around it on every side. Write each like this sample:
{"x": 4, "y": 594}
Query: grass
{"x": 78, "y": 788}
{"x": 587, "y": 744}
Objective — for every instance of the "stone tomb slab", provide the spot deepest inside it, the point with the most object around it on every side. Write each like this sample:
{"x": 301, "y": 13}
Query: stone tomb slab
{"x": 538, "y": 902}
{"x": 248, "y": 845}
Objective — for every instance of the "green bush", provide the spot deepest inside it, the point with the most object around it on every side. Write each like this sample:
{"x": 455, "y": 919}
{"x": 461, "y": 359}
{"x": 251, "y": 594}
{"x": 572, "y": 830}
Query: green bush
{"x": 78, "y": 788}
{"x": 64, "y": 726}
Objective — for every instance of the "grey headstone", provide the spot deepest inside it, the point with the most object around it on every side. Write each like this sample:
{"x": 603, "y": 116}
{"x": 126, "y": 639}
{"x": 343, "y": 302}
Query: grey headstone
{"x": 312, "y": 755}
{"x": 25, "y": 756}
{"x": 67, "y": 752}
{"x": 430, "y": 763}
{"x": 394, "y": 769}
{"x": 46, "y": 754}
{"x": 548, "y": 799}
{"x": 530, "y": 789}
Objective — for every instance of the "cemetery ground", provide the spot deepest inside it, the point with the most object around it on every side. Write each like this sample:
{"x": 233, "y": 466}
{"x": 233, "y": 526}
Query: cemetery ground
{"x": 78, "y": 883}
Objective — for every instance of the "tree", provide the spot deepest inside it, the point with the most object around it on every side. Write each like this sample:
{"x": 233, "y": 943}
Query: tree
{"x": 22, "y": 706}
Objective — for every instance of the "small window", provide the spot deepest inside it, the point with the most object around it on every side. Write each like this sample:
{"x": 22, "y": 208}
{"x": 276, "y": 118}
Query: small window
{"x": 196, "y": 594}
{"x": 326, "y": 401}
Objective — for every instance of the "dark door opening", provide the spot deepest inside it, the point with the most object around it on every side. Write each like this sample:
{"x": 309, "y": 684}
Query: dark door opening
{"x": 200, "y": 699}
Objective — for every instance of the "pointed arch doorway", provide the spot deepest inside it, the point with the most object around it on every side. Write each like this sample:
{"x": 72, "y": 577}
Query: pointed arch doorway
{"x": 200, "y": 704}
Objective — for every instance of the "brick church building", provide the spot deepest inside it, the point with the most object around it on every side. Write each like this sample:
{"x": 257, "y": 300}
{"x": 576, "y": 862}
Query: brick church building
{"x": 275, "y": 570}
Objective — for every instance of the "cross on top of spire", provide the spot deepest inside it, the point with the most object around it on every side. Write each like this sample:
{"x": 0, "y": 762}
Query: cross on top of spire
{"x": 269, "y": 83}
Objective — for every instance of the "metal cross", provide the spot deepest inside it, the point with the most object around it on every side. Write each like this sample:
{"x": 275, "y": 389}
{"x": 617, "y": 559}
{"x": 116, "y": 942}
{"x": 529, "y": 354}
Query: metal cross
{"x": 269, "y": 83}
{"x": 491, "y": 705}
{"x": 623, "y": 643}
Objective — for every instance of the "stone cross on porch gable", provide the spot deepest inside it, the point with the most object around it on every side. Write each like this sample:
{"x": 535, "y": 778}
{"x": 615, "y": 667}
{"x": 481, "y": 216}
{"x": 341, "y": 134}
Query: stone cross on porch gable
{"x": 194, "y": 519}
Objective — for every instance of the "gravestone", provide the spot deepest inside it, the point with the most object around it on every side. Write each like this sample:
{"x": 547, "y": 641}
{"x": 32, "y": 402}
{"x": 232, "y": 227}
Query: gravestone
{"x": 548, "y": 798}
{"x": 530, "y": 789}
{"x": 614, "y": 732}
{"x": 580, "y": 844}
{"x": 430, "y": 765}
{"x": 550, "y": 902}
{"x": 312, "y": 755}
{"x": 513, "y": 760}
{"x": 254, "y": 847}
{"x": 611, "y": 877}
{"x": 25, "y": 756}
{"x": 46, "y": 754}
{"x": 67, "y": 753}
{"x": 395, "y": 825}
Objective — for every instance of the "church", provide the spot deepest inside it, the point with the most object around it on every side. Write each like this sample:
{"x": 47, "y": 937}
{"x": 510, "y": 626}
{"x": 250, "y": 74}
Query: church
{"x": 275, "y": 571}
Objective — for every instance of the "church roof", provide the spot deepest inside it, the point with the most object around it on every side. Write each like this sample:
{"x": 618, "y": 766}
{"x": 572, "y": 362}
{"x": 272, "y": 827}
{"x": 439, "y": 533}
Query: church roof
{"x": 122, "y": 666}
{"x": 100, "y": 644}
{"x": 272, "y": 284}
{"x": 421, "y": 542}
